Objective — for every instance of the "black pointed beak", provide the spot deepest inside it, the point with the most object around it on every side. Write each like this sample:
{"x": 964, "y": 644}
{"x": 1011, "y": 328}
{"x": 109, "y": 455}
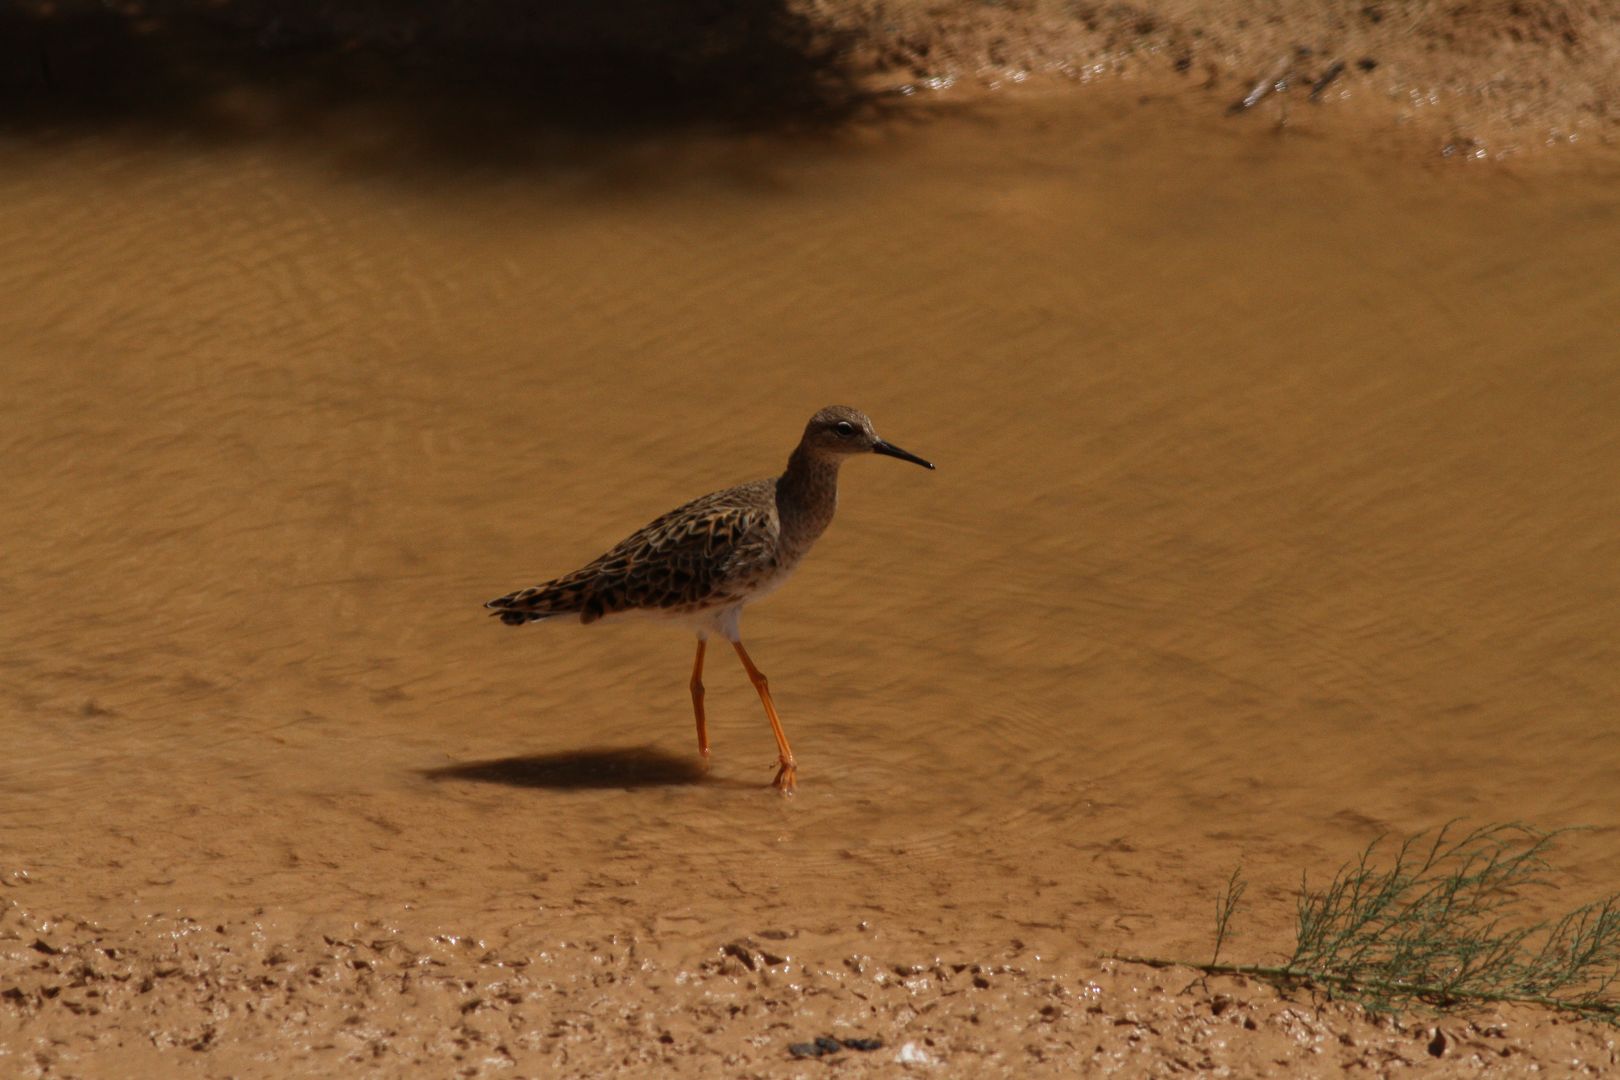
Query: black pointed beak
{"x": 881, "y": 447}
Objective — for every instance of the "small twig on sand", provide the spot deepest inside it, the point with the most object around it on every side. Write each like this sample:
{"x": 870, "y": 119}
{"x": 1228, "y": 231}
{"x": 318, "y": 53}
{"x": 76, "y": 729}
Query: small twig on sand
{"x": 1326, "y": 79}
{"x": 1276, "y": 80}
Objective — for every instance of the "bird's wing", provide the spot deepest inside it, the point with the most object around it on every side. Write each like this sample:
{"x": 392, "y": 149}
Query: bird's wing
{"x": 689, "y": 556}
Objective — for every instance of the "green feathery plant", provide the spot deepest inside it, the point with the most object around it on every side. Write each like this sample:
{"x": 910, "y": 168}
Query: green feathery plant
{"x": 1435, "y": 928}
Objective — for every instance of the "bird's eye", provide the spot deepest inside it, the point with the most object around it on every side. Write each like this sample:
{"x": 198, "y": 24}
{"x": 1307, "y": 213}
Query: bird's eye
{"x": 844, "y": 428}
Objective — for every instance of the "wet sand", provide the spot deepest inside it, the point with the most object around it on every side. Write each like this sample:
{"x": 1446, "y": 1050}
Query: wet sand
{"x": 1276, "y": 509}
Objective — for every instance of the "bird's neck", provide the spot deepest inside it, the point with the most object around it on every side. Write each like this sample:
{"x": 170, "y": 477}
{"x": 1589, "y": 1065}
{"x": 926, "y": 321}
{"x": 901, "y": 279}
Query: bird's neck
{"x": 806, "y": 498}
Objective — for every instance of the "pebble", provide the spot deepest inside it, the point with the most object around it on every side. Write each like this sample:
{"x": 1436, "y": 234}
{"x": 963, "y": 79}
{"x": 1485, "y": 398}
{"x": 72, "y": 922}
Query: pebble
{"x": 826, "y": 1044}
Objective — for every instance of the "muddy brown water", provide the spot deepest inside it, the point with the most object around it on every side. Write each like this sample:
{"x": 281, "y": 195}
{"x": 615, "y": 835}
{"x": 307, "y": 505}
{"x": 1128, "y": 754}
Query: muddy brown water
{"x": 1278, "y": 505}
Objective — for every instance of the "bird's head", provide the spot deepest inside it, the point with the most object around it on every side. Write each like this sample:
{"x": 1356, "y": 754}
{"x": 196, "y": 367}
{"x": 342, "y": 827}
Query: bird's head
{"x": 840, "y": 430}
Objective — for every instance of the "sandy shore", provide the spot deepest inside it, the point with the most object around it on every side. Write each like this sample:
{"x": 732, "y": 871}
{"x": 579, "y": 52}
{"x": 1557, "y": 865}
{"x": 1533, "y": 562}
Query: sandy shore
{"x": 1482, "y": 79}
{"x": 250, "y": 998}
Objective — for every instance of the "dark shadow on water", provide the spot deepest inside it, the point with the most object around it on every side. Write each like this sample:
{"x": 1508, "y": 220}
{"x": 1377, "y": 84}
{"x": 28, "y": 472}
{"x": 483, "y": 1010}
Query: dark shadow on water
{"x": 481, "y": 82}
{"x": 593, "y": 767}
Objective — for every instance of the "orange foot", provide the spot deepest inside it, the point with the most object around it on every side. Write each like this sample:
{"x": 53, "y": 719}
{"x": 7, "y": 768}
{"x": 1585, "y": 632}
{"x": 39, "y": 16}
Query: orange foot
{"x": 786, "y": 777}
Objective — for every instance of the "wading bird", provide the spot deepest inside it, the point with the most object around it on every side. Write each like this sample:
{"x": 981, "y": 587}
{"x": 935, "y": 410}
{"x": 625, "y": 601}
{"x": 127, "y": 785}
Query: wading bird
{"x": 701, "y": 563}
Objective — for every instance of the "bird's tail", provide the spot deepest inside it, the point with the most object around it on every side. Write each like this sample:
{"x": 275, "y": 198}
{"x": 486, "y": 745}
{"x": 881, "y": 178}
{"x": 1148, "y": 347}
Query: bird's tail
{"x": 541, "y": 602}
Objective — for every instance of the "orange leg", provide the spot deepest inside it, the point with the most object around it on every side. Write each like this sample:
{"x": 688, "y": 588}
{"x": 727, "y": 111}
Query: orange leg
{"x": 697, "y": 703}
{"x": 787, "y": 775}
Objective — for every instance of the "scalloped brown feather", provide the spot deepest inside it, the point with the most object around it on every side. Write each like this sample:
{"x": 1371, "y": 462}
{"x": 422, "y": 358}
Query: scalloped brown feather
{"x": 704, "y": 554}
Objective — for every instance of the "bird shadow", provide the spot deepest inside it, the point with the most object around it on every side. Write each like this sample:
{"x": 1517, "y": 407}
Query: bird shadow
{"x": 597, "y": 767}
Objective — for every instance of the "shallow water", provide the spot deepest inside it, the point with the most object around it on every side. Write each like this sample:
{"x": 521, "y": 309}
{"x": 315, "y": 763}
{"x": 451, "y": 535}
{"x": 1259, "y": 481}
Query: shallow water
{"x": 1277, "y": 506}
